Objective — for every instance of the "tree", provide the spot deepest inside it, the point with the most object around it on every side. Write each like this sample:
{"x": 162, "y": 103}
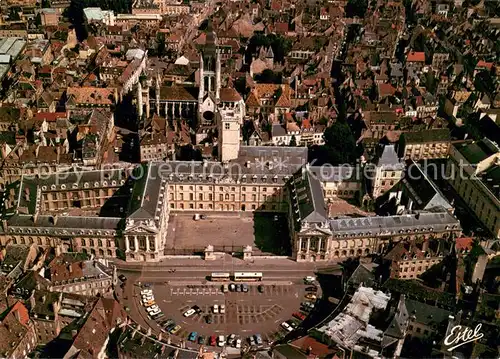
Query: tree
{"x": 356, "y": 8}
{"x": 293, "y": 141}
{"x": 340, "y": 144}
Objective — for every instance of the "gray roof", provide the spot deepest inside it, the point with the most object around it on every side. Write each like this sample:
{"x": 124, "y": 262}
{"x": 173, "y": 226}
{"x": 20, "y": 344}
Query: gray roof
{"x": 330, "y": 173}
{"x": 392, "y": 225}
{"x": 65, "y": 225}
{"x": 278, "y": 130}
{"x": 389, "y": 158}
{"x": 307, "y": 197}
{"x": 423, "y": 192}
{"x": 425, "y": 313}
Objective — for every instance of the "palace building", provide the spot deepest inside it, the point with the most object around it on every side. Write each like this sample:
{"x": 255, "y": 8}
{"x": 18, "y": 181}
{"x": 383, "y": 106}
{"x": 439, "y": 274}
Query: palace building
{"x": 316, "y": 236}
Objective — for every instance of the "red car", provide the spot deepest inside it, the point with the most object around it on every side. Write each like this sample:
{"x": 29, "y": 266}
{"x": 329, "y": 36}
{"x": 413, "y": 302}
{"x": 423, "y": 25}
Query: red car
{"x": 213, "y": 341}
{"x": 299, "y": 315}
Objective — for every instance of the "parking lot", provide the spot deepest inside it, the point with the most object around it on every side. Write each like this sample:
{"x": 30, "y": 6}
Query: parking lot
{"x": 246, "y": 313}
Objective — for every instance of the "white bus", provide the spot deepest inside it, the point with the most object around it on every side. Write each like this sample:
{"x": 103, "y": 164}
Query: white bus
{"x": 219, "y": 277}
{"x": 247, "y": 277}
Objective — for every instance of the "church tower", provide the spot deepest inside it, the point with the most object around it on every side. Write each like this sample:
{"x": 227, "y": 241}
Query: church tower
{"x": 210, "y": 77}
{"x": 228, "y": 126}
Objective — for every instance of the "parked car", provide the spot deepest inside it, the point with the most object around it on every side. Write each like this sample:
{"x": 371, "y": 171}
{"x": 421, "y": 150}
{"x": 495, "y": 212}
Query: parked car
{"x": 189, "y": 312}
{"x": 147, "y": 292}
{"x": 251, "y": 340}
{"x": 222, "y": 309}
{"x": 157, "y": 315}
{"x": 221, "y": 341}
{"x": 168, "y": 323}
{"x": 209, "y": 318}
{"x": 192, "y": 336}
{"x": 149, "y": 303}
{"x": 203, "y": 216}
{"x": 312, "y": 289}
{"x": 237, "y": 344}
{"x": 225, "y": 288}
{"x": 201, "y": 339}
{"x": 260, "y": 288}
{"x": 197, "y": 309}
{"x": 309, "y": 279}
{"x": 215, "y": 309}
{"x": 152, "y": 309}
{"x": 287, "y": 326}
{"x": 232, "y": 287}
{"x": 244, "y": 287}
{"x": 122, "y": 278}
{"x": 299, "y": 315}
{"x": 293, "y": 324}
{"x": 175, "y": 329}
{"x": 213, "y": 340}
{"x": 238, "y": 287}
{"x": 311, "y": 296}
{"x": 258, "y": 339}
{"x": 230, "y": 339}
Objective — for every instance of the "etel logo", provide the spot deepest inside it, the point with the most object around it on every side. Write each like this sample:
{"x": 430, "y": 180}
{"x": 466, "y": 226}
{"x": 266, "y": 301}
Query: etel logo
{"x": 460, "y": 335}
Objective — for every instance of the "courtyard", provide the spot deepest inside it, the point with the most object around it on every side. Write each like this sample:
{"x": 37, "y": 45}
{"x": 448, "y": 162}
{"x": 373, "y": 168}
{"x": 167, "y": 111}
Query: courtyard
{"x": 267, "y": 233}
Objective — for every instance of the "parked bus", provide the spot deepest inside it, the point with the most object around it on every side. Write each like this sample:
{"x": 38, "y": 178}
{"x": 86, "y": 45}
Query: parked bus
{"x": 219, "y": 277}
{"x": 247, "y": 277}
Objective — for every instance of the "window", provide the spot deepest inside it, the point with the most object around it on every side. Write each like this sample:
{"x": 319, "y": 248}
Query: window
{"x": 226, "y": 126}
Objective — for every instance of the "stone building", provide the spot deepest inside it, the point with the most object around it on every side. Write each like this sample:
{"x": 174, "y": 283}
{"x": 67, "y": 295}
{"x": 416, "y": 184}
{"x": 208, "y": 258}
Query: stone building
{"x": 118, "y": 213}
{"x": 473, "y": 169}
{"x": 315, "y": 236}
{"x": 409, "y": 260}
{"x": 387, "y": 172}
{"x": 427, "y": 144}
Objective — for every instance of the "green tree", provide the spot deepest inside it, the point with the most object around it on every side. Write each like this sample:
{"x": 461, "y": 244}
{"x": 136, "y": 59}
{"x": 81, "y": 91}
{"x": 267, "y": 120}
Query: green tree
{"x": 340, "y": 143}
{"x": 293, "y": 141}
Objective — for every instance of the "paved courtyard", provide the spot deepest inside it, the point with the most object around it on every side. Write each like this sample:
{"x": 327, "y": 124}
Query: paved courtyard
{"x": 227, "y": 232}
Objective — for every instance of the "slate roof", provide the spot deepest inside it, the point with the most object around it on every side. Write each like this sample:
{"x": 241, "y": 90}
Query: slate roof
{"x": 389, "y": 158}
{"x": 475, "y": 152}
{"x": 392, "y": 225}
{"x": 307, "y": 197}
{"x": 425, "y": 313}
{"x": 420, "y": 188}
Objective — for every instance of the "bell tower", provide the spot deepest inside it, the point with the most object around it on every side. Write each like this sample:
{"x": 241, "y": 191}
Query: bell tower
{"x": 210, "y": 77}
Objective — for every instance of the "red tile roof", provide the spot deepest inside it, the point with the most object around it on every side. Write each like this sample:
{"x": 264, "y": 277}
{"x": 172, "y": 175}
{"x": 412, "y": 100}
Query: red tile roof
{"x": 416, "y": 57}
{"x": 464, "y": 243}
{"x": 49, "y": 116}
{"x": 229, "y": 95}
{"x": 484, "y": 64}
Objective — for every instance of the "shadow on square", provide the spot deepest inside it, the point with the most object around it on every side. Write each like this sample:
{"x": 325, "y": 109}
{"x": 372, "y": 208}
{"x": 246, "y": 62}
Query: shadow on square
{"x": 271, "y": 234}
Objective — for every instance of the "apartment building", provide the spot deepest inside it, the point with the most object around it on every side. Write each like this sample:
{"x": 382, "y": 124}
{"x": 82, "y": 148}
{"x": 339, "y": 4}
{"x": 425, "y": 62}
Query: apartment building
{"x": 427, "y": 144}
{"x": 473, "y": 169}
{"x": 410, "y": 259}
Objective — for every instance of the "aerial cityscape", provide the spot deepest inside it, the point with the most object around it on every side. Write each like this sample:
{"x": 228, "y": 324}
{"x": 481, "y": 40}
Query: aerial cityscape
{"x": 203, "y": 179}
